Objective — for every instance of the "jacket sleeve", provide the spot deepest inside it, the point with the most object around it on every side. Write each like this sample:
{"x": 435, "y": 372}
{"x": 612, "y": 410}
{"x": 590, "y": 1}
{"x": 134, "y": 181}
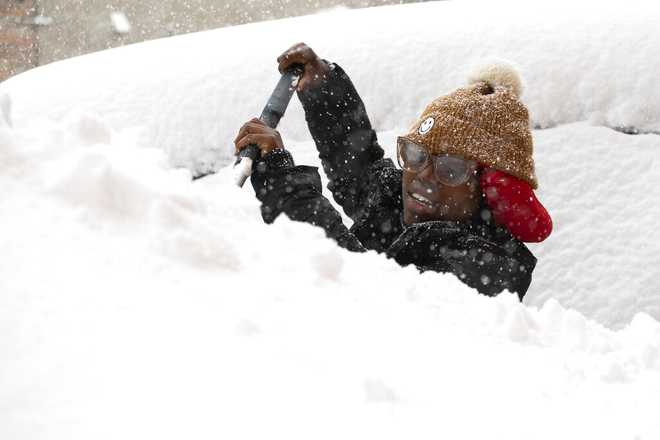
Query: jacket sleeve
{"x": 282, "y": 187}
{"x": 380, "y": 223}
{"x": 346, "y": 143}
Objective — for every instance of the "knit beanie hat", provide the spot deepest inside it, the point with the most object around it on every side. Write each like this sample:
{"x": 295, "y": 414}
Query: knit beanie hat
{"x": 484, "y": 121}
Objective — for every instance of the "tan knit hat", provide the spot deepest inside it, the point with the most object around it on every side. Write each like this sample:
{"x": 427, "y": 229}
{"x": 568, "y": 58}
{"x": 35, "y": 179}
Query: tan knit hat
{"x": 484, "y": 121}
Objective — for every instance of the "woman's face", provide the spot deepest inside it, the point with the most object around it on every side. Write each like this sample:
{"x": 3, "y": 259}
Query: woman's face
{"x": 425, "y": 198}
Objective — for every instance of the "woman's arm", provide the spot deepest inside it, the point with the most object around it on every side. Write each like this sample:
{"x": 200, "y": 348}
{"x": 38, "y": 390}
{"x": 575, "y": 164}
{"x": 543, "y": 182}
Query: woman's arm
{"x": 283, "y": 187}
{"x": 338, "y": 122}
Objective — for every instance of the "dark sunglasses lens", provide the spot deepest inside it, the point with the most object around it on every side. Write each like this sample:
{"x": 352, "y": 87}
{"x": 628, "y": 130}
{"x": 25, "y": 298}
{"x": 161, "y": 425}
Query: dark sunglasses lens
{"x": 411, "y": 156}
{"x": 452, "y": 171}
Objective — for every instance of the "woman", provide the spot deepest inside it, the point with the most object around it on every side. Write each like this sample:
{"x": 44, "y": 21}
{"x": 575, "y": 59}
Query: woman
{"x": 462, "y": 201}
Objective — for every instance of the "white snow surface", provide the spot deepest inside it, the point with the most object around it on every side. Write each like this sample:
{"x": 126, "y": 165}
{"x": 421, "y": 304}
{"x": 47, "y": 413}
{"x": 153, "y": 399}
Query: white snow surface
{"x": 135, "y": 303}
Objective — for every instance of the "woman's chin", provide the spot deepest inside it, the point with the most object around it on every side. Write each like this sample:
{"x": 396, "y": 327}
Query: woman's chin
{"x": 418, "y": 212}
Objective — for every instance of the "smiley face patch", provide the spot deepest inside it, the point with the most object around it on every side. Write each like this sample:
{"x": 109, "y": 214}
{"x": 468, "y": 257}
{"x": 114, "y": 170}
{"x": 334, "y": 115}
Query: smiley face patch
{"x": 426, "y": 126}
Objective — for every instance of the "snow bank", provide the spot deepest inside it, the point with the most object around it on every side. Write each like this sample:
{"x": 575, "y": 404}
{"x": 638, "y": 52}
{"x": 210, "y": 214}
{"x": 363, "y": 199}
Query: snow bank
{"x": 188, "y": 94}
{"x": 137, "y": 304}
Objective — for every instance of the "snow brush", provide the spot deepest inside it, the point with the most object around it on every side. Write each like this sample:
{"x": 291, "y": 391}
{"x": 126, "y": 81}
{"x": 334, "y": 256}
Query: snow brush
{"x": 271, "y": 115}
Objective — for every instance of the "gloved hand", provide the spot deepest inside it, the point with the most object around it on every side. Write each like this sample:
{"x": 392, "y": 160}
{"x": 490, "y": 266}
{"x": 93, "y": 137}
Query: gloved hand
{"x": 514, "y": 205}
{"x": 315, "y": 68}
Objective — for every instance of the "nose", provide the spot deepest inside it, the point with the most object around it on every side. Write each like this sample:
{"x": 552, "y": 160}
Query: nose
{"x": 427, "y": 173}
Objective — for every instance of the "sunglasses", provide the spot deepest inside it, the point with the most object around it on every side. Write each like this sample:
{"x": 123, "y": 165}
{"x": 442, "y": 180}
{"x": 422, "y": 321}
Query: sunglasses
{"x": 450, "y": 170}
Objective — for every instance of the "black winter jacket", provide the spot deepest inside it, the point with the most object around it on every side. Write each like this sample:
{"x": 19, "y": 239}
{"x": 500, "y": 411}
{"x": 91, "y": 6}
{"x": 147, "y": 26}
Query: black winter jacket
{"x": 368, "y": 187}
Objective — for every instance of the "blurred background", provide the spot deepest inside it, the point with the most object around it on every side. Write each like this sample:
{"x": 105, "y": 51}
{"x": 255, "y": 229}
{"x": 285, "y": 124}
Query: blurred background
{"x": 37, "y": 32}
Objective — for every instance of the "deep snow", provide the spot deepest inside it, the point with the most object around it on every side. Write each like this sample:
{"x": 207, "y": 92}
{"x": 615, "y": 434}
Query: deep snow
{"x": 135, "y": 303}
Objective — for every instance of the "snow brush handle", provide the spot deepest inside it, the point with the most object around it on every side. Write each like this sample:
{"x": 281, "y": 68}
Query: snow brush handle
{"x": 271, "y": 115}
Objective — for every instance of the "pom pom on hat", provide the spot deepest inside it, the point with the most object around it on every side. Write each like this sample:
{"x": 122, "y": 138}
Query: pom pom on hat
{"x": 498, "y": 73}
